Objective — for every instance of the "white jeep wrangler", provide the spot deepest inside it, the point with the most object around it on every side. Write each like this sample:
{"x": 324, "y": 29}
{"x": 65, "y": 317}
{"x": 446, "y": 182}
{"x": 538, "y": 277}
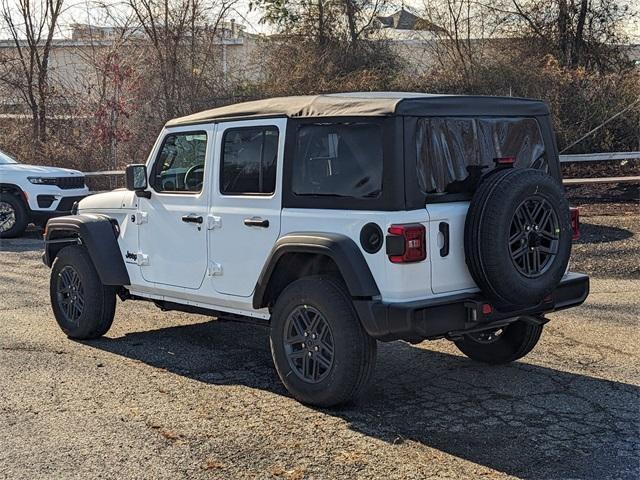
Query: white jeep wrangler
{"x": 339, "y": 220}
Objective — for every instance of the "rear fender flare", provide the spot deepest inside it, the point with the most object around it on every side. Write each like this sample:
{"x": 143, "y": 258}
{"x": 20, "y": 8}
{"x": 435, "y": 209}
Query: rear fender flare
{"x": 341, "y": 249}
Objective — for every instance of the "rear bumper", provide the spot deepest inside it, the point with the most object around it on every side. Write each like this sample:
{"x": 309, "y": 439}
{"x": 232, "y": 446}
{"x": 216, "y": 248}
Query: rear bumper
{"x": 455, "y": 315}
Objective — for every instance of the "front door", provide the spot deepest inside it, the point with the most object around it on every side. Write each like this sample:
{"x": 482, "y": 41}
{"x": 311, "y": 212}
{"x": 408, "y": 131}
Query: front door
{"x": 172, "y": 232}
{"x": 246, "y": 202}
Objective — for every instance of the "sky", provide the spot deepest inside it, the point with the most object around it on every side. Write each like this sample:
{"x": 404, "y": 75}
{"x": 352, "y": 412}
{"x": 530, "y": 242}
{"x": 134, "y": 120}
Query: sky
{"x": 85, "y": 11}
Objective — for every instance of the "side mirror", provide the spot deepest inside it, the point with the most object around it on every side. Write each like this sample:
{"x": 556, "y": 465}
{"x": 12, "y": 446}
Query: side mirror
{"x": 136, "y": 178}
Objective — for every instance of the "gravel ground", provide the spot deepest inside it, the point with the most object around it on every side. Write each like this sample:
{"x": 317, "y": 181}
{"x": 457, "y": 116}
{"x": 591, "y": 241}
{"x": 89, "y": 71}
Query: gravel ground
{"x": 168, "y": 395}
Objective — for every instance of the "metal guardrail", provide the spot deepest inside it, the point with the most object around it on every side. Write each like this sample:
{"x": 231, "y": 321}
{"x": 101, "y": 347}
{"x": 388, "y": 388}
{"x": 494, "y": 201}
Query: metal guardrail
{"x": 586, "y": 181}
{"x": 599, "y": 157}
{"x": 580, "y": 157}
{"x": 104, "y": 173}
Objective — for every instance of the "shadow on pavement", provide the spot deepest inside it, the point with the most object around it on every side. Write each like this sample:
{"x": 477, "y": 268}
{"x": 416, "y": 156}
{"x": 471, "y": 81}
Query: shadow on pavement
{"x": 590, "y": 233}
{"x": 525, "y": 420}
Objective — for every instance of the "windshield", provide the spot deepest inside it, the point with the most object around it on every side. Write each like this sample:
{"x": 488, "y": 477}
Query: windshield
{"x": 5, "y": 159}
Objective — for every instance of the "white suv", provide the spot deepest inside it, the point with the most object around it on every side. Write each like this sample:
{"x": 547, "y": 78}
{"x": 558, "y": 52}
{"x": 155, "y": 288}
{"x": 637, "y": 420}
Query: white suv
{"x": 34, "y": 194}
{"x": 339, "y": 220}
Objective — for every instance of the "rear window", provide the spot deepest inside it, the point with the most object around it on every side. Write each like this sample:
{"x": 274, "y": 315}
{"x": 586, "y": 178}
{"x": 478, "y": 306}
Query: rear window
{"x": 338, "y": 159}
{"x": 454, "y": 152}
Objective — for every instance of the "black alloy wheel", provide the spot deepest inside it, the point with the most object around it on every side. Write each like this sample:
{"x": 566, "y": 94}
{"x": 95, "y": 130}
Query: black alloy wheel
{"x": 70, "y": 293}
{"x": 533, "y": 238}
{"x": 309, "y": 344}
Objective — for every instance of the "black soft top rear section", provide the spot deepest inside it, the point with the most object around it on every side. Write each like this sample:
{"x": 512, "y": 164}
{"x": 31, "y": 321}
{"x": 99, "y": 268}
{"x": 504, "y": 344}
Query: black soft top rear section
{"x": 455, "y": 105}
{"x": 370, "y": 104}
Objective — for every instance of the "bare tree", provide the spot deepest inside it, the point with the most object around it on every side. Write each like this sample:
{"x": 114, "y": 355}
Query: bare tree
{"x": 321, "y": 20}
{"x": 31, "y": 24}
{"x": 111, "y": 83}
{"x": 184, "y": 36}
{"x": 460, "y": 36}
{"x": 580, "y": 33}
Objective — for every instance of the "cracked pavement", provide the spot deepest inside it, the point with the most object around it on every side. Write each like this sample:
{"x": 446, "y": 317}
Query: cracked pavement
{"x": 171, "y": 395}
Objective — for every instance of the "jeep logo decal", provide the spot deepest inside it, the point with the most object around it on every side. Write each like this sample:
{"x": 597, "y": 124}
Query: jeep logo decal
{"x": 131, "y": 256}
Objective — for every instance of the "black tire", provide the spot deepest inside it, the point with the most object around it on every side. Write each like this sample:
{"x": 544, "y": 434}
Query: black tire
{"x": 494, "y": 210}
{"x": 354, "y": 351}
{"x": 513, "y": 343}
{"x": 92, "y": 317}
{"x": 15, "y": 208}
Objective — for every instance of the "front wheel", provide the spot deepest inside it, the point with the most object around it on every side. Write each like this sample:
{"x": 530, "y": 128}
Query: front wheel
{"x": 13, "y": 216}
{"x": 502, "y": 345}
{"x": 84, "y": 308}
{"x": 321, "y": 352}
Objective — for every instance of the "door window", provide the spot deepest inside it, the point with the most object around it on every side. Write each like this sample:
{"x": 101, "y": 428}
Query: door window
{"x": 248, "y": 165}
{"x": 180, "y": 164}
{"x": 339, "y": 160}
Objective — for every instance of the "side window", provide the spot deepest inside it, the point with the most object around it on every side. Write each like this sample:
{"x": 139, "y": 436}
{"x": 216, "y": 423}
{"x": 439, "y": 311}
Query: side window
{"x": 249, "y": 160}
{"x": 339, "y": 160}
{"x": 180, "y": 165}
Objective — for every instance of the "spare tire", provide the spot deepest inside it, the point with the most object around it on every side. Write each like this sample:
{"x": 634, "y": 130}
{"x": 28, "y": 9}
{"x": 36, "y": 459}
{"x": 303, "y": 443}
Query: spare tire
{"x": 518, "y": 236}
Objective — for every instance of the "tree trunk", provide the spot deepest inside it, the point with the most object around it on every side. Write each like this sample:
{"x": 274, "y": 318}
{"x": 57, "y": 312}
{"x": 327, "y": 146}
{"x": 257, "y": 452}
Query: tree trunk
{"x": 321, "y": 25}
{"x": 351, "y": 20}
{"x": 578, "y": 42}
{"x": 563, "y": 31}
{"x": 42, "y": 122}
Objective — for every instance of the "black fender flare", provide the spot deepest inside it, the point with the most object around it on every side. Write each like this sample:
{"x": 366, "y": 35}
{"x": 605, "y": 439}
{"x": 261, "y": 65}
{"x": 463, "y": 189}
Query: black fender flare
{"x": 97, "y": 233}
{"x": 340, "y": 248}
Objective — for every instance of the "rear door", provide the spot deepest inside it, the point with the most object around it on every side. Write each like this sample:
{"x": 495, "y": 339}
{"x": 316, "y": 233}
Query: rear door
{"x": 246, "y": 202}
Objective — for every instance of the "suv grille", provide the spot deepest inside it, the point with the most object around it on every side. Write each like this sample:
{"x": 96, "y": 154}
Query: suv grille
{"x": 67, "y": 183}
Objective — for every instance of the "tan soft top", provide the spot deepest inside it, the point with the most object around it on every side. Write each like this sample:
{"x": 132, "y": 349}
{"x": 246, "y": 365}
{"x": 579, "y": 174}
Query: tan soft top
{"x": 369, "y": 104}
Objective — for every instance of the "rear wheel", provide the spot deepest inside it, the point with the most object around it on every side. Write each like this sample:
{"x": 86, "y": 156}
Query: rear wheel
{"x": 13, "y": 216}
{"x": 502, "y": 345}
{"x": 84, "y": 308}
{"x": 321, "y": 352}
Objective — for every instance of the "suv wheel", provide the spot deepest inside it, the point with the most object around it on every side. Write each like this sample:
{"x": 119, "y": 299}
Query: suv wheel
{"x": 503, "y": 345}
{"x": 84, "y": 308}
{"x": 321, "y": 352}
{"x": 13, "y": 216}
{"x": 518, "y": 236}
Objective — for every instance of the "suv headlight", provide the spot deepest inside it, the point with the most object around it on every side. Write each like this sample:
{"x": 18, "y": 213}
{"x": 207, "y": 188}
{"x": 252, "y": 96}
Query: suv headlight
{"x": 42, "y": 180}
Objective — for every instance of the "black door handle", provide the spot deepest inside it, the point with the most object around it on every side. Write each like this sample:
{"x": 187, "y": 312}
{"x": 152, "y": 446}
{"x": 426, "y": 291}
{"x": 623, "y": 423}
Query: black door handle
{"x": 256, "y": 222}
{"x": 444, "y": 230}
{"x": 192, "y": 219}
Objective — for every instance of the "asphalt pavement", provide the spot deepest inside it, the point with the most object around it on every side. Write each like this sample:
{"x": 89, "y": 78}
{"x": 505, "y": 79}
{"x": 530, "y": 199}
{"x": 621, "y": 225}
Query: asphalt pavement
{"x": 171, "y": 395}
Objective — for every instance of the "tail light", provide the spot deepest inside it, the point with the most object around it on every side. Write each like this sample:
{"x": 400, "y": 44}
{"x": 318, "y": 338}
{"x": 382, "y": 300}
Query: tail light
{"x": 575, "y": 223}
{"x": 407, "y": 243}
